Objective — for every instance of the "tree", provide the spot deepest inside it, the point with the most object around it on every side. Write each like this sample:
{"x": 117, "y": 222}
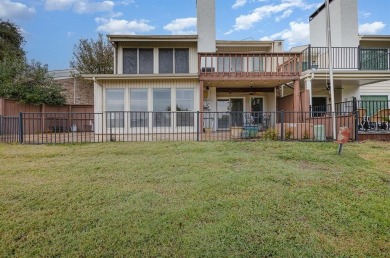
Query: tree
{"x": 93, "y": 57}
{"x": 11, "y": 40}
{"x": 19, "y": 80}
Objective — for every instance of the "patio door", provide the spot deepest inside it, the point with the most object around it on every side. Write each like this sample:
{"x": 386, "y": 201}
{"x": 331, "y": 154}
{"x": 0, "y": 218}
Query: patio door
{"x": 257, "y": 110}
{"x": 230, "y": 113}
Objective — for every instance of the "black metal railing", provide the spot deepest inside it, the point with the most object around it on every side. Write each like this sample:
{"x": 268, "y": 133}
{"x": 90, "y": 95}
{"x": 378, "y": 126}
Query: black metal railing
{"x": 48, "y": 128}
{"x": 356, "y": 58}
{"x": 9, "y": 129}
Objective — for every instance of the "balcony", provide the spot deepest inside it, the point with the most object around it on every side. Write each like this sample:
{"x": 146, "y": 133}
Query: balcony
{"x": 347, "y": 58}
{"x": 249, "y": 66}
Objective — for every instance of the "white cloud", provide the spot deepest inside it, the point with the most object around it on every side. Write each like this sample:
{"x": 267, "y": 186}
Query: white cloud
{"x": 114, "y": 26}
{"x": 297, "y": 34}
{"x": 79, "y": 6}
{"x": 285, "y": 15}
{"x": 15, "y": 10}
{"x": 126, "y": 2}
{"x": 364, "y": 15}
{"x": 246, "y": 22}
{"x": 182, "y": 26}
{"x": 239, "y": 3}
{"x": 371, "y": 28}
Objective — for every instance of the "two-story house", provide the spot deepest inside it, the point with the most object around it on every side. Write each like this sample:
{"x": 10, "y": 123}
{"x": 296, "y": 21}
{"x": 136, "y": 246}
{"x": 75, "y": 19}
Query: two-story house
{"x": 161, "y": 81}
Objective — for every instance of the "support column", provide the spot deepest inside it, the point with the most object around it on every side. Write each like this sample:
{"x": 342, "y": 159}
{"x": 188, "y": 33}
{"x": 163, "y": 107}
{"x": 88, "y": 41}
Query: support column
{"x": 201, "y": 89}
{"x": 308, "y": 87}
{"x": 297, "y": 101}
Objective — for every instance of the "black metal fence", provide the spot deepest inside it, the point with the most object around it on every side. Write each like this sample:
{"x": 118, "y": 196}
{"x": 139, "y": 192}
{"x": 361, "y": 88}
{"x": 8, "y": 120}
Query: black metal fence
{"x": 347, "y": 58}
{"x": 372, "y": 115}
{"x": 48, "y": 128}
{"x": 9, "y": 129}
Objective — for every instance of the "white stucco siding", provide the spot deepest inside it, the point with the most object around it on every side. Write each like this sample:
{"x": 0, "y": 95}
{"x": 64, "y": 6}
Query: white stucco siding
{"x": 344, "y": 25}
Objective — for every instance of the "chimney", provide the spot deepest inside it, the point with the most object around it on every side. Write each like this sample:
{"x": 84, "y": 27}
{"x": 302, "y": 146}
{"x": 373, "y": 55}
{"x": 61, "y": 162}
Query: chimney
{"x": 206, "y": 25}
{"x": 344, "y": 24}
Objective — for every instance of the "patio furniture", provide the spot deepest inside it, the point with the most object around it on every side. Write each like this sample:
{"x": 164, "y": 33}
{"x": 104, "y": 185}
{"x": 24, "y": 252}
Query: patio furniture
{"x": 363, "y": 122}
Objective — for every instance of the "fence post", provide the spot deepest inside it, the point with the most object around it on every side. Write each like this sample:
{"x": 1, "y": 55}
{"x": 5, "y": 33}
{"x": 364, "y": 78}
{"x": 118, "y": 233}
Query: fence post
{"x": 21, "y": 128}
{"x": 357, "y": 125}
{"x": 198, "y": 126}
{"x": 354, "y": 104}
{"x": 282, "y": 125}
{"x": 309, "y": 64}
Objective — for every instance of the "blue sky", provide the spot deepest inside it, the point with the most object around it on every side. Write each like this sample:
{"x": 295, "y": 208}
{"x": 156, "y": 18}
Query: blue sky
{"x": 53, "y": 27}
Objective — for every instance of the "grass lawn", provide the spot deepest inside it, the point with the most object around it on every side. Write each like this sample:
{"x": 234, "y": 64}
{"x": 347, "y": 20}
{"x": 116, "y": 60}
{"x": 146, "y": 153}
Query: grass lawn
{"x": 245, "y": 199}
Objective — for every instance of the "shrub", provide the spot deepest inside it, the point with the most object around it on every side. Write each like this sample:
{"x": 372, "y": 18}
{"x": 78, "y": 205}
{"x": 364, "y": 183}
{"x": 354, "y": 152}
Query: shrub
{"x": 270, "y": 135}
{"x": 289, "y": 132}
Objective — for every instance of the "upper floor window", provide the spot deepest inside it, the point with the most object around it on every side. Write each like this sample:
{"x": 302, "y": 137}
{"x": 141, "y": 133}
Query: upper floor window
{"x": 138, "y": 60}
{"x": 173, "y": 60}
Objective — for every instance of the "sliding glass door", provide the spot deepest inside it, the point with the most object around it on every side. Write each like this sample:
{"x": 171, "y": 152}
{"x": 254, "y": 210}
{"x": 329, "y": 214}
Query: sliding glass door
{"x": 230, "y": 113}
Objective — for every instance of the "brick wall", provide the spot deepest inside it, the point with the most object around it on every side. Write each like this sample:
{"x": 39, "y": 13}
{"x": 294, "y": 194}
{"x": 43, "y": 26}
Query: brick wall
{"x": 77, "y": 91}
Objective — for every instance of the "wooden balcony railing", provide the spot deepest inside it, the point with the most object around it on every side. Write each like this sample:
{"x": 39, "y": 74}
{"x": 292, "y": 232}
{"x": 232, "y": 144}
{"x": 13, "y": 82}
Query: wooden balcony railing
{"x": 249, "y": 65}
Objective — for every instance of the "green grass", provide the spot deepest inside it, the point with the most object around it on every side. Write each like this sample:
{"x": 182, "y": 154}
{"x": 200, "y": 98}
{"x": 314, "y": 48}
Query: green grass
{"x": 241, "y": 199}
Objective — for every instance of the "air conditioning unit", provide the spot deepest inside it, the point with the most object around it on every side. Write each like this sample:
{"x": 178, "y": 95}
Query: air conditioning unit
{"x": 208, "y": 69}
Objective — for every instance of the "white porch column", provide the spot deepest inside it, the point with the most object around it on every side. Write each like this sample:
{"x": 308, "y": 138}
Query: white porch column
{"x": 308, "y": 87}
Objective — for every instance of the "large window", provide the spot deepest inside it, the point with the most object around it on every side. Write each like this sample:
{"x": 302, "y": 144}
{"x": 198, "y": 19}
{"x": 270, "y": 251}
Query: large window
{"x": 185, "y": 102}
{"x": 115, "y": 105}
{"x": 173, "y": 60}
{"x": 161, "y": 107}
{"x": 139, "y": 117}
{"x": 138, "y": 60}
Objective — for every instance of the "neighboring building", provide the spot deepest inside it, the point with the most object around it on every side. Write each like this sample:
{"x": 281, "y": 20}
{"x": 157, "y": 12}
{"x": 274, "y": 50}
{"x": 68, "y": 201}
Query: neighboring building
{"x": 361, "y": 63}
{"x": 199, "y": 73}
{"x": 77, "y": 91}
{"x": 378, "y": 91}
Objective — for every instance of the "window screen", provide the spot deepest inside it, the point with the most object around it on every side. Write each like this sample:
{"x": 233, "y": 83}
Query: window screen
{"x": 181, "y": 60}
{"x": 165, "y": 60}
{"x": 129, "y": 60}
{"x": 145, "y": 60}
